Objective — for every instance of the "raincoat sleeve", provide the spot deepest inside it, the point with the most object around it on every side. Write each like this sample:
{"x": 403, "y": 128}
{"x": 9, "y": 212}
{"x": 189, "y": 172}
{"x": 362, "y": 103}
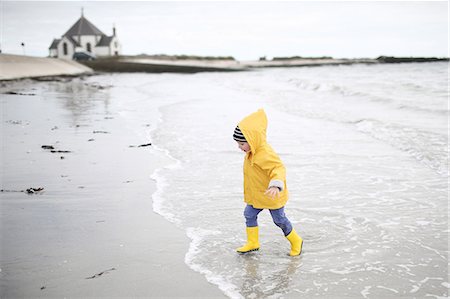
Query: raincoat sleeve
{"x": 272, "y": 165}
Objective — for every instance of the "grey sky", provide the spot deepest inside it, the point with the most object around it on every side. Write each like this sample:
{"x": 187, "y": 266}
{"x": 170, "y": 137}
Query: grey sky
{"x": 245, "y": 30}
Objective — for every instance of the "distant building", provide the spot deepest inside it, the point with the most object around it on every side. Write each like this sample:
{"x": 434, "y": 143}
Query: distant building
{"x": 84, "y": 38}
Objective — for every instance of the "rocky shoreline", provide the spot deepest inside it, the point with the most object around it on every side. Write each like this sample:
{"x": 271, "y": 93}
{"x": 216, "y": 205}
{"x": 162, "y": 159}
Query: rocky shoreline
{"x": 169, "y": 64}
{"x": 14, "y": 67}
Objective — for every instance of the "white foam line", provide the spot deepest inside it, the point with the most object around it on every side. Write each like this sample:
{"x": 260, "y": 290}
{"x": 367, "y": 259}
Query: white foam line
{"x": 157, "y": 196}
{"x": 161, "y": 182}
{"x": 197, "y": 235}
{"x": 389, "y": 289}
{"x": 432, "y": 249}
{"x": 366, "y": 292}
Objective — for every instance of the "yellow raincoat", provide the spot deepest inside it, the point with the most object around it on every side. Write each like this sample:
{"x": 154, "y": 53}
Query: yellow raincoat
{"x": 262, "y": 166}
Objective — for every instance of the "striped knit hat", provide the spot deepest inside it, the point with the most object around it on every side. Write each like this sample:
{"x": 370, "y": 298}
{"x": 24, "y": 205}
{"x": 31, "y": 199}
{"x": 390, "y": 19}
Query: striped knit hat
{"x": 238, "y": 136}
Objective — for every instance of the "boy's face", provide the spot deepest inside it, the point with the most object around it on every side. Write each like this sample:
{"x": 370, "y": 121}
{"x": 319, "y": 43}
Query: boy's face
{"x": 243, "y": 146}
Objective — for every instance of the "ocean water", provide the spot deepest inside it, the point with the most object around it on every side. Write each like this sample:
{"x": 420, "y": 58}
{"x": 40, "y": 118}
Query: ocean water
{"x": 366, "y": 153}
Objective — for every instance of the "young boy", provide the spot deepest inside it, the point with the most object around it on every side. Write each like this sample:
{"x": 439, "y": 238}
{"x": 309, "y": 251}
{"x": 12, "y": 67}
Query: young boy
{"x": 264, "y": 182}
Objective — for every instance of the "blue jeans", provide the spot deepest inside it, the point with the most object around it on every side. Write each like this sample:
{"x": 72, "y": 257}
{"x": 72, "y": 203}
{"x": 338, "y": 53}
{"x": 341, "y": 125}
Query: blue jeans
{"x": 278, "y": 216}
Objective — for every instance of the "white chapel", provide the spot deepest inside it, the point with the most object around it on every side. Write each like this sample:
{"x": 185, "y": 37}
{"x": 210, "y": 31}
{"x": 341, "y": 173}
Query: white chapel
{"x": 84, "y": 37}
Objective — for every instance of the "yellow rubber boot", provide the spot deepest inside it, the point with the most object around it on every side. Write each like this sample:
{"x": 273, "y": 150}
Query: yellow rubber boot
{"x": 252, "y": 241}
{"x": 296, "y": 243}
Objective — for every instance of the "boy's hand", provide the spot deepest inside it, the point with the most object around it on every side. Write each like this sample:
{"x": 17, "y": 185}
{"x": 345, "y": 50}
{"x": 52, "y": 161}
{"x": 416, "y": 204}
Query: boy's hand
{"x": 272, "y": 192}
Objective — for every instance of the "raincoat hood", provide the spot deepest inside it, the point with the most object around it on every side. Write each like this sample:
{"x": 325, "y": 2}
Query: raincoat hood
{"x": 254, "y": 128}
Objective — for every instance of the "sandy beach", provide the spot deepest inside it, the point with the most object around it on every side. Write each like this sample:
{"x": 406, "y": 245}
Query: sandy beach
{"x": 91, "y": 231}
{"x": 19, "y": 67}
{"x": 120, "y": 176}
{"x": 130, "y": 184}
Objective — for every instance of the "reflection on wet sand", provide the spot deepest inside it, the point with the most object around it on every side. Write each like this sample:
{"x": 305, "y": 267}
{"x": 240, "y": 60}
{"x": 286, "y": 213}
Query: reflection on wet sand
{"x": 81, "y": 99}
{"x": 256, "y": 274}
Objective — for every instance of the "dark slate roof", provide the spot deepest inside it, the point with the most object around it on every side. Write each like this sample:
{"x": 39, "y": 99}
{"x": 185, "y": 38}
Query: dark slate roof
{"x": 72, "y": 40}
{"x": 83, "y": 27}
{"x": 105, "y": 41}
{"x": 54, "y": 44}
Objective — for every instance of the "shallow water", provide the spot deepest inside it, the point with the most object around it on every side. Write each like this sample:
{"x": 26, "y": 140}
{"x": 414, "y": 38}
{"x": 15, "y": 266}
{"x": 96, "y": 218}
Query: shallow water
{"x": 365, "y": 147}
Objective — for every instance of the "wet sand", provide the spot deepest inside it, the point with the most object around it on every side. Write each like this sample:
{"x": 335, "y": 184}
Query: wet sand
{"x": 91, "y": 232}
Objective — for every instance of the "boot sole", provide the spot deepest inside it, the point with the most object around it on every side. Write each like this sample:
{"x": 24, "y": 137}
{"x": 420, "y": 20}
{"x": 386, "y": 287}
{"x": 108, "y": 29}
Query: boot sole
{"x": 244, "y": 252}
